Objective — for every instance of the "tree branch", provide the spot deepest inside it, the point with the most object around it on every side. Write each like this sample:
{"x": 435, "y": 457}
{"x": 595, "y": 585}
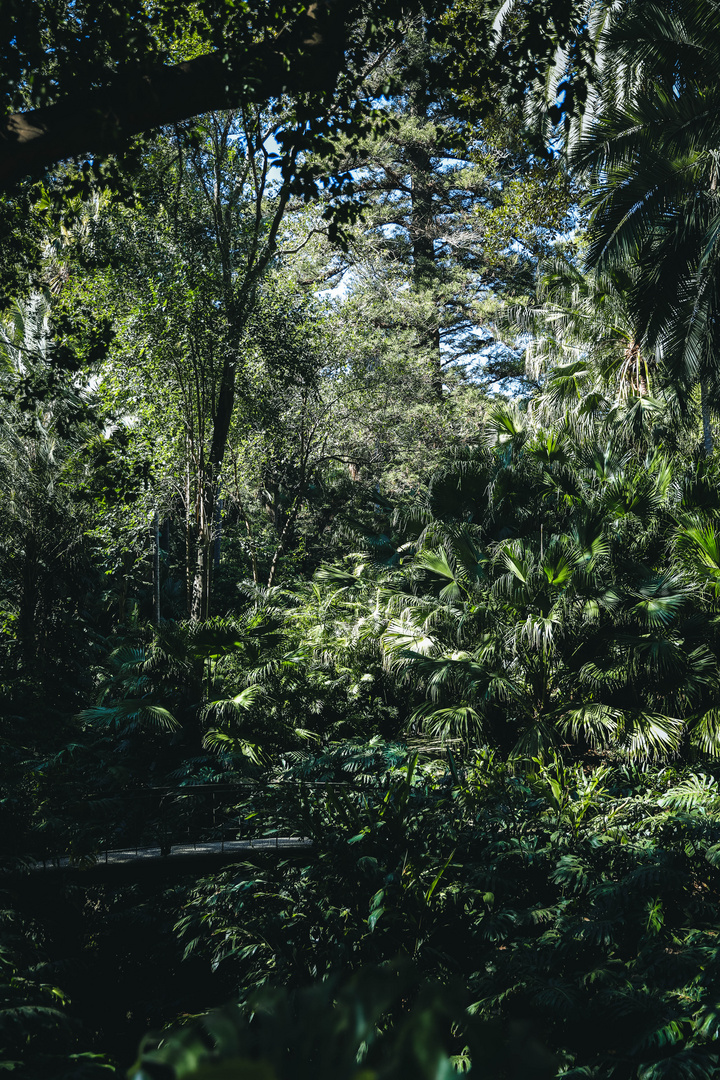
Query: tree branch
{"x": 146, "y": 98}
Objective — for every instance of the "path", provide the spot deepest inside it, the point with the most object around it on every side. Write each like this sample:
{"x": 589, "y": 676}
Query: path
{"x": 226, "y": 848}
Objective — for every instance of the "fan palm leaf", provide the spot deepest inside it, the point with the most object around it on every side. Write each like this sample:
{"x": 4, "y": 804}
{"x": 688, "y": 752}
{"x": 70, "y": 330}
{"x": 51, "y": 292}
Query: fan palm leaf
{"x": 652, "y": 153}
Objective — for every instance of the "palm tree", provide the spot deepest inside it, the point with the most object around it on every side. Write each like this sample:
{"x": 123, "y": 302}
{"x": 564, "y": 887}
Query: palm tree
{"x": 46, "y": 419}
{"x": 652, "y": 153}
{"x": 579, "y": 633}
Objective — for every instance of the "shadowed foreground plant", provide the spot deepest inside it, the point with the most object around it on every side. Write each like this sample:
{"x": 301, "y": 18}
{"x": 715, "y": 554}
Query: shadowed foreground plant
{"x": 580, "y": 901}
{"x": 364, "y": 1029}
{"x": 38, "y": 1036}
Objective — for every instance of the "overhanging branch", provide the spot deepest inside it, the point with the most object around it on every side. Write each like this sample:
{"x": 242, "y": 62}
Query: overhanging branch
{"x": 145, "y": 99}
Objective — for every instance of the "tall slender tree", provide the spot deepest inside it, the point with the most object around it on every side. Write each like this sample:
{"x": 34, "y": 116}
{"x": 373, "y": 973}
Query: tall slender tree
{"x": 193, "y": 260}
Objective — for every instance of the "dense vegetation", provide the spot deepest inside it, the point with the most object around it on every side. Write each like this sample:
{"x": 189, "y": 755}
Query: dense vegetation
{"x": 359, "y": 484}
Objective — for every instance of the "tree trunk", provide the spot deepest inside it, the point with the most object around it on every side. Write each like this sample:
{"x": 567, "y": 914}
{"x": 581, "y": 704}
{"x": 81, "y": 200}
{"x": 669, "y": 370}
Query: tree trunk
{"x": 200, "y": 598}
{"x": 217, "y": 543}
{"x": 200, "y": 602}
{"x": 248, "y": 529}
{"x": 287, "y": 528}
{"x": 708, "y": 441}
{"x": 188, "y": 532}
{"x": 208, "y": 480}
{"x": 28, "y": 600}
{"x": 425, "y": 269}
{"x": 156, "y": 567}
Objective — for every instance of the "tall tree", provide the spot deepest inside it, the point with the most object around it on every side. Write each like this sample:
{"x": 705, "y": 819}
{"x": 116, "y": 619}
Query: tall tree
{"x": 193, "y": 260}
{"x": 455, "y": 214}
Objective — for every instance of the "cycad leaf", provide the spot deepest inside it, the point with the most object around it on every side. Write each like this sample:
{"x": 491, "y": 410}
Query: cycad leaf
{"x": 130, "y": 710}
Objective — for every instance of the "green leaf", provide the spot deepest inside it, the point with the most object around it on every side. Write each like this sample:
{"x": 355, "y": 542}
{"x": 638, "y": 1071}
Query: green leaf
{"x": 436, "y": 882}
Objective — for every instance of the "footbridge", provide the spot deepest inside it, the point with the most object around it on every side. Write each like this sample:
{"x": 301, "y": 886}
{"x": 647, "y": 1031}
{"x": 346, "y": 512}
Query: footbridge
{"x": 170, "y": 831}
